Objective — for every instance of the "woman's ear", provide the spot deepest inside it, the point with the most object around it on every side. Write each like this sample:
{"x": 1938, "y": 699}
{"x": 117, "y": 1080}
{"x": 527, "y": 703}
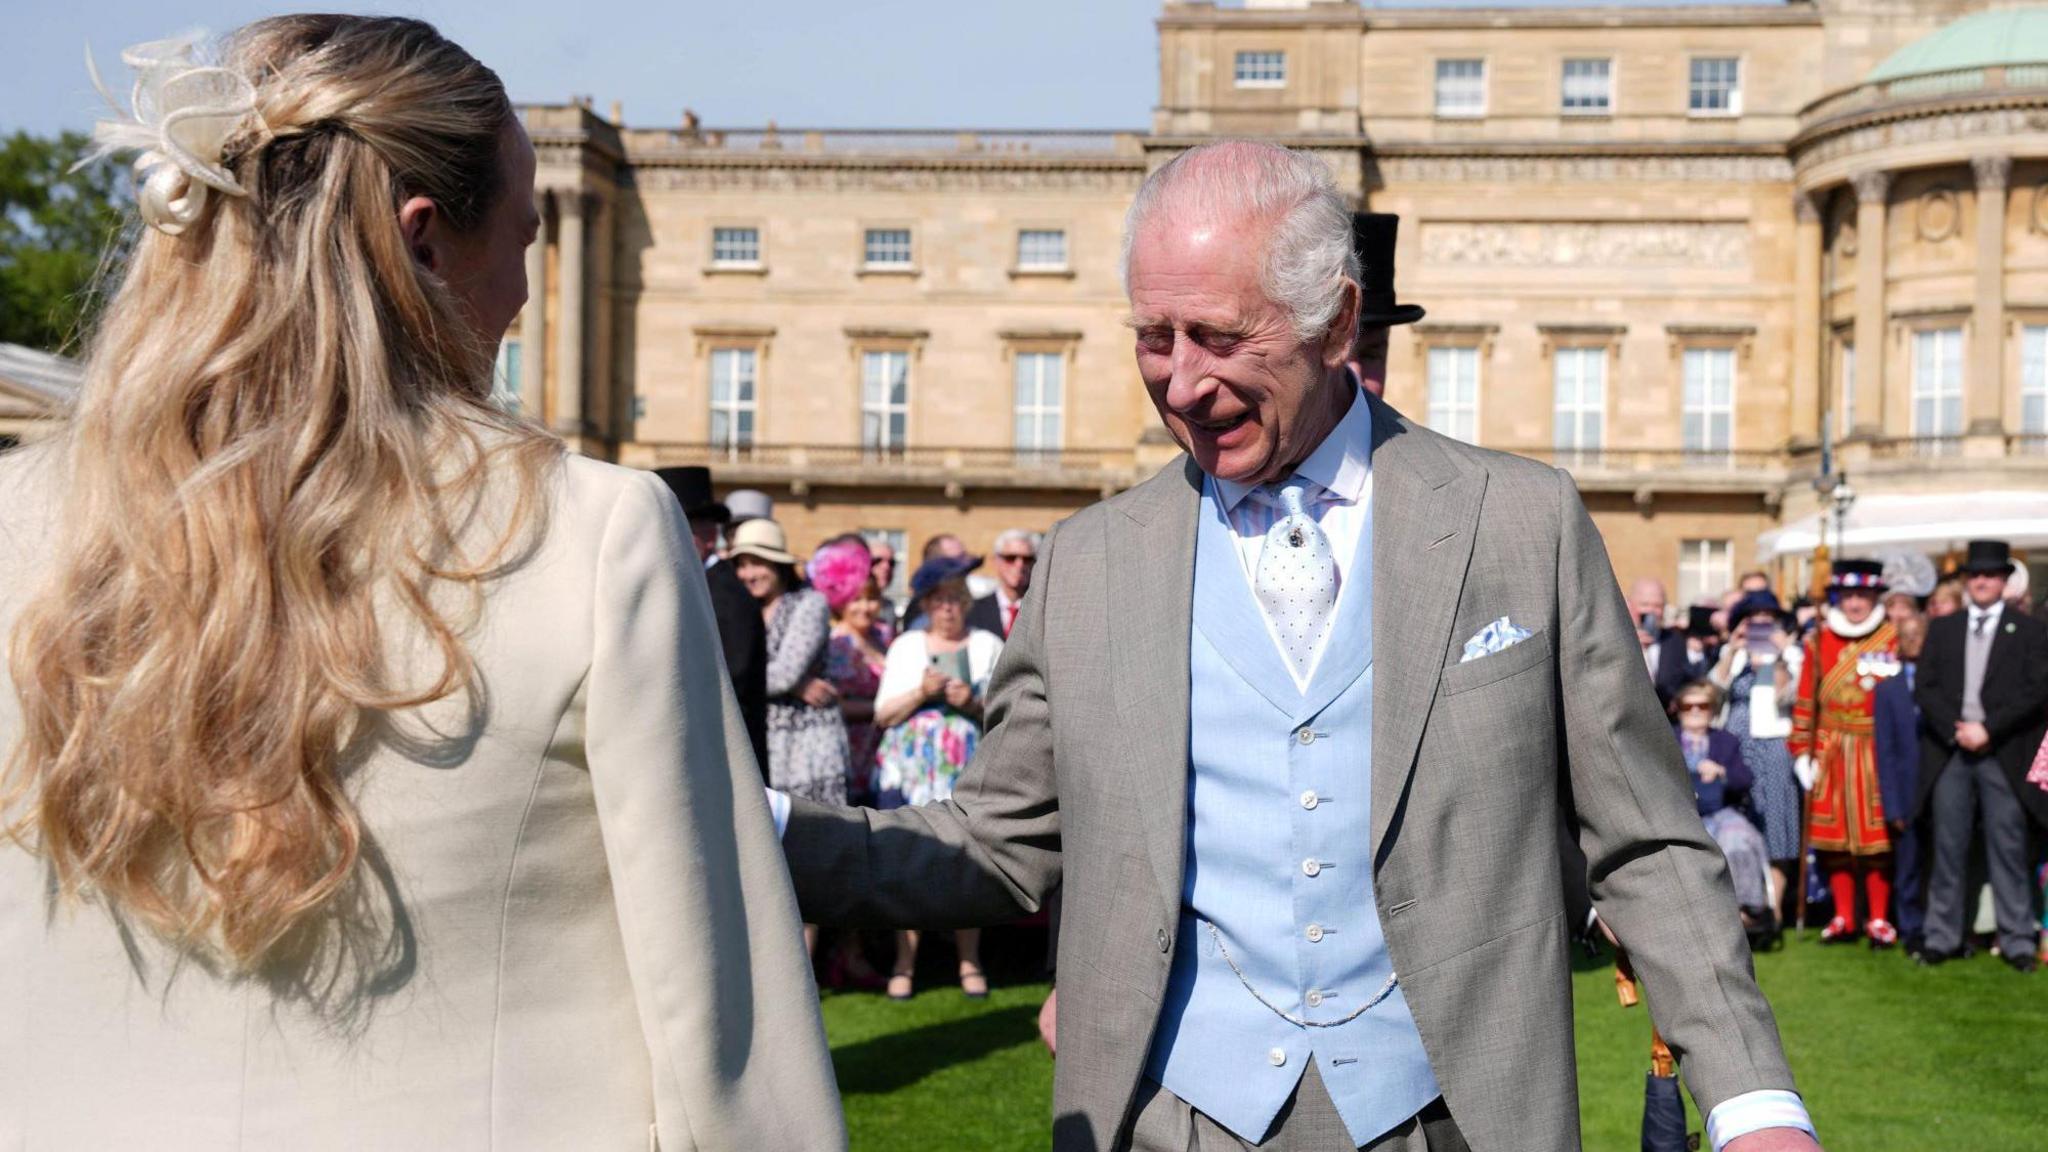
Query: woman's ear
{"x": 419, "y": 221}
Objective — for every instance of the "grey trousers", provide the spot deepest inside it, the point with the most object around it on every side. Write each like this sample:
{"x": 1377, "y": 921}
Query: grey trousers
{"x": 1308, "y": 1122}
{"x": 1970, "y": 785}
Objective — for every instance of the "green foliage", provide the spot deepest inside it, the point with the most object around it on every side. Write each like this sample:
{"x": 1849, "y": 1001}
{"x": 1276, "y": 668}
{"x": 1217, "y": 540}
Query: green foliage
{"x": 1890, "y": 1057}
{"x": 55, "y": 224}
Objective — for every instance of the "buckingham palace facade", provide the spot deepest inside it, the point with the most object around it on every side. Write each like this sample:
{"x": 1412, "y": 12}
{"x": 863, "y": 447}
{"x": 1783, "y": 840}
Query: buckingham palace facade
{"x": 1698, "y": 256}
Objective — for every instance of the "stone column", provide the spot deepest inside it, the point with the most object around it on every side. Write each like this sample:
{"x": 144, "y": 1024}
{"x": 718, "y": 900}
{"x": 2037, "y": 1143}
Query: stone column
{"x": 533, "y": 319}
{"x": 569, "y": 322}
{"x": 1872, "y": 402}
{"x": 1984, "y": 387}
{"x": 1806, "y": 301}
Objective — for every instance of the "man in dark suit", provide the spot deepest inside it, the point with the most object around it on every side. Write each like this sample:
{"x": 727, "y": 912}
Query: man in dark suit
{"x": 740, "y": 629}
{"x": 1015, "y": 555}
{"x": 1898, "y": 783}
{"x": 1668, "y": 658}
{"x": 1983, "y": 694}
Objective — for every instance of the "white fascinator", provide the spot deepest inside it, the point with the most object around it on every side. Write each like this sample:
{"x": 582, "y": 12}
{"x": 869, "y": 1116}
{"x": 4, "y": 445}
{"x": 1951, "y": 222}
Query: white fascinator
{"x": 182, "y": 112}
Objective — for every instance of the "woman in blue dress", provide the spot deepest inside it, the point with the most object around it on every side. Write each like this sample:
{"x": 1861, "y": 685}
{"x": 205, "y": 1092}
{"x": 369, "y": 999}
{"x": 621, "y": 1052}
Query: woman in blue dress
{"x": 1754, "y": 657}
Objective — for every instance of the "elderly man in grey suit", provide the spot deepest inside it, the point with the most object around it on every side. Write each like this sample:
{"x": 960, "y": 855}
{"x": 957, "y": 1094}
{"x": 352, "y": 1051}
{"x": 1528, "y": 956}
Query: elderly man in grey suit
{"x": 1295, "y": 722}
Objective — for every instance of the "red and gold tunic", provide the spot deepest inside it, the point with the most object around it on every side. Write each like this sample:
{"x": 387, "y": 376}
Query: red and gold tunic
{"x": 1834, "y": 726}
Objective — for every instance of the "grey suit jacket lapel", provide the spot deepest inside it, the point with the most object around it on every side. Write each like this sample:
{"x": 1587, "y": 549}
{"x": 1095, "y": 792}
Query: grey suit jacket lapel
{"x": 1424, "y": 517}
{"x": 1151, "y": 595}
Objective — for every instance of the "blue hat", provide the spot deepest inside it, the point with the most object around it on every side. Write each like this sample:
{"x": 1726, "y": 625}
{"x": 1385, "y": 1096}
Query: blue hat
{"x": 1753, "y": 603}
{"x": 938, "y": 570}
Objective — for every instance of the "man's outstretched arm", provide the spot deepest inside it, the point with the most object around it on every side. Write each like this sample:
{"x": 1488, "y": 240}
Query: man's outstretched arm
{"x": 989, "y": 854}
{"x": 1656, "y": 877}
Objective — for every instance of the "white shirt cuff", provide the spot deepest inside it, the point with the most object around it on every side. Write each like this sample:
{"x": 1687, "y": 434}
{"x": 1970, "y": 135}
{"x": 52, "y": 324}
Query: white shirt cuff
{"x": 1755, "y": 1111}
{"x": 778, "y": 810}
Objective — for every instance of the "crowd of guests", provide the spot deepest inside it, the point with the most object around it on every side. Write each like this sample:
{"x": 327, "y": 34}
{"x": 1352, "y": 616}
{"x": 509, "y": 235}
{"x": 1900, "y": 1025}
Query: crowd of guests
{"x": 1888, "y": 745}
{"x": 852, "y": 698}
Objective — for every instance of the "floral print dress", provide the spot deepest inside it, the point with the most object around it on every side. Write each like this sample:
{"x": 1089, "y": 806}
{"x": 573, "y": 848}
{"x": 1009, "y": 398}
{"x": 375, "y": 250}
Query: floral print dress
{"x": 920, "y": 758}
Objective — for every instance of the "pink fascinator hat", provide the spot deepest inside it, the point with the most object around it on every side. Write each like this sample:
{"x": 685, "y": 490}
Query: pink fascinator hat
{"x": 839, "y": 571}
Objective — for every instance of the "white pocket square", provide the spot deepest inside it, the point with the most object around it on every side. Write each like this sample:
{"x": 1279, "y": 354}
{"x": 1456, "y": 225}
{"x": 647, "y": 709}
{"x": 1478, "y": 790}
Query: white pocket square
{"x": 1492, "y": 638}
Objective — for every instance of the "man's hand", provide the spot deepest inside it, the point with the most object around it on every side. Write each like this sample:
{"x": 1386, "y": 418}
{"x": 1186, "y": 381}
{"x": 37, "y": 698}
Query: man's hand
{"x": 1972, "y": 736}
{"x": 1049, "y": 1021}
{"x": 1710, "y": 771}
{"x": 958, "y": 693}
{"x": 1773, "y": 1140}
{"x": 819, "y": 694}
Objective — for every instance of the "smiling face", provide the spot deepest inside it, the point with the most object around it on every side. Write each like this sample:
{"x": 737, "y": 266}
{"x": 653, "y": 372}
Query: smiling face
{"x": 762, "y": 579}
{"x": 1245, "y": 396}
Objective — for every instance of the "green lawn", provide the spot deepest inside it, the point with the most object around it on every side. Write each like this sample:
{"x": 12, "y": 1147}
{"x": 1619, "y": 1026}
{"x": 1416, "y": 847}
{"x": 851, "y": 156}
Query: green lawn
{"x": 1891, "y": 1058}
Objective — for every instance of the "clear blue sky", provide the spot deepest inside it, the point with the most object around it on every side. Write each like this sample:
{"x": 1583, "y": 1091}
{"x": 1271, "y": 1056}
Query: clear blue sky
{"x": 809, "y": 63}
{"x": 805, "y": 63}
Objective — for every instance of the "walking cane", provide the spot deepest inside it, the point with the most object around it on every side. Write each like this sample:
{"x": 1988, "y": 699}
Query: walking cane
{"x": 1810, "y": 666}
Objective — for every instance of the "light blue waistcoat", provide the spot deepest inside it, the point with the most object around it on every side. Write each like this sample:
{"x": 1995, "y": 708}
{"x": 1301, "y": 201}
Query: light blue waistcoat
{"x": 1279, "y": 861}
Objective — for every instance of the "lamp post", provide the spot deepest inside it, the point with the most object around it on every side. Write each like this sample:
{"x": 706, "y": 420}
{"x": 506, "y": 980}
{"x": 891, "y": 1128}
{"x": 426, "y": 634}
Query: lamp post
{"x": 1844, "y": 498}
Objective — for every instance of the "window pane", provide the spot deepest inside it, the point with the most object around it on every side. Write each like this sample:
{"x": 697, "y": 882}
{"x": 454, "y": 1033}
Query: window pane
{"x": 1041, "y": 248}
{"x": 887, "y": 247}
{"x": 735, "y": 245}
{"x": 1586, "y": 85}
{"x": 1715, "y": 84}
{"x": 1261, "y": 69}
{"x": 1460, "y": 87}
{"x": 2034, "y": 379}
{"x": 721, "y": 427}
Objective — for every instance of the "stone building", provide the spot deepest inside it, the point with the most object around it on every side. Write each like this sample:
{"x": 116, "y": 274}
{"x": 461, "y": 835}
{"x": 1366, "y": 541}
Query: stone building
{"x": 1700, "y": 256}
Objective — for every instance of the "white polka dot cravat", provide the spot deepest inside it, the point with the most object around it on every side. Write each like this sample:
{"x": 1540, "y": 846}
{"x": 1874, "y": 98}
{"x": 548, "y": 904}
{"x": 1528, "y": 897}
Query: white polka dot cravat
{"x": 1297, "y": 581}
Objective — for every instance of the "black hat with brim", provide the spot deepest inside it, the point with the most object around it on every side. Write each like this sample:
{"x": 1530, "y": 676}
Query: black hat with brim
{"x": 1864, "y": 575}
{"x": 692, "y": 486}
{"x": 1372, "y": 238}
{"x": 1989, "y": 557}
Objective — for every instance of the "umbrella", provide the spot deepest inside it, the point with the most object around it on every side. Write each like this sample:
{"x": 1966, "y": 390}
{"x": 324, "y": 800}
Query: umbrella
{"x": 1663, "y": 1107}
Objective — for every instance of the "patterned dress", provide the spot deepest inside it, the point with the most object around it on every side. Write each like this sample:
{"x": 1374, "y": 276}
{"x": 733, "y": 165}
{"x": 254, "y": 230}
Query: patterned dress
{"x": 807, "y": 751}
{"x": 857, "y": 678}
{"x": 1833, "y": 722}
{"x": 920, "y": 758}
{"x": 1774, "y": 796}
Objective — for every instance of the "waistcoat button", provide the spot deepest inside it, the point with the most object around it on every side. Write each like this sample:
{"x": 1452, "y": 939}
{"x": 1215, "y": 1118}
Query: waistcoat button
{"x": 1163, "y": 940}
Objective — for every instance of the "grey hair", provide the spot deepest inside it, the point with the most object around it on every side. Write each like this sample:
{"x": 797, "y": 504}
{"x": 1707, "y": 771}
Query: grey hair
{"x": 1308, "y": 257}
{"x": 1017, "y": 535}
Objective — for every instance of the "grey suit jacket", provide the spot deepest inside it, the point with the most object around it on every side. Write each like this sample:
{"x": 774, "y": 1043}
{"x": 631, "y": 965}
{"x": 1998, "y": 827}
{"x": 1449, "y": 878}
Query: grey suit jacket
{"x": 1083, "y": 777}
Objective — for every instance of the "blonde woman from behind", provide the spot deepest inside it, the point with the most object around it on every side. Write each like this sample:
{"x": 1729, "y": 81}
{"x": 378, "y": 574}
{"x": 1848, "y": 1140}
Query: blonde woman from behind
{"x": 370, "y": 779}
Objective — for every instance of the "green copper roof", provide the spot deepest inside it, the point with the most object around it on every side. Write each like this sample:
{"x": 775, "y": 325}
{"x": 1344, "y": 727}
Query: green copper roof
{"x": 1985, "y": 40}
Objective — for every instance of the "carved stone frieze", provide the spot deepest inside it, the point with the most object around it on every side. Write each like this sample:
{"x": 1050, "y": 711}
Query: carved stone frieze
{"x": 756, "y": 178}
{"x": 1396, "y": 169}
{"x": 1951, "y": 126}
{"x": 1600, "y": 244}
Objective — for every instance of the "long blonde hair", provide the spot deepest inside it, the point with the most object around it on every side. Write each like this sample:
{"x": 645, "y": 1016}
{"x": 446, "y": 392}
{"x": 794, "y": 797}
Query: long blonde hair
{"x": 282, "y": 443}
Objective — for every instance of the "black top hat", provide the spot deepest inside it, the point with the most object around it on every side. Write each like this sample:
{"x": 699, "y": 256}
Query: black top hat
{"x": 1858, "y": 574}
{"x": 1699, "y": 621}
{"x": 1988, "y": 556}
{"x": 692, "y": 486}
{"x": 1372, "y": 238}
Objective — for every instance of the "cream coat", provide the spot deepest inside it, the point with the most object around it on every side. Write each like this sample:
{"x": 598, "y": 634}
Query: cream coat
{"x": 582, "y": 936}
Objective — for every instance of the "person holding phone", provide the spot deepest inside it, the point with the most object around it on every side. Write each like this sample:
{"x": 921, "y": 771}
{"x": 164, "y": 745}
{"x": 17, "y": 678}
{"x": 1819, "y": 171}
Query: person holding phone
{"x": 929, "y": 709}
{"x": 1757, "y": 669}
